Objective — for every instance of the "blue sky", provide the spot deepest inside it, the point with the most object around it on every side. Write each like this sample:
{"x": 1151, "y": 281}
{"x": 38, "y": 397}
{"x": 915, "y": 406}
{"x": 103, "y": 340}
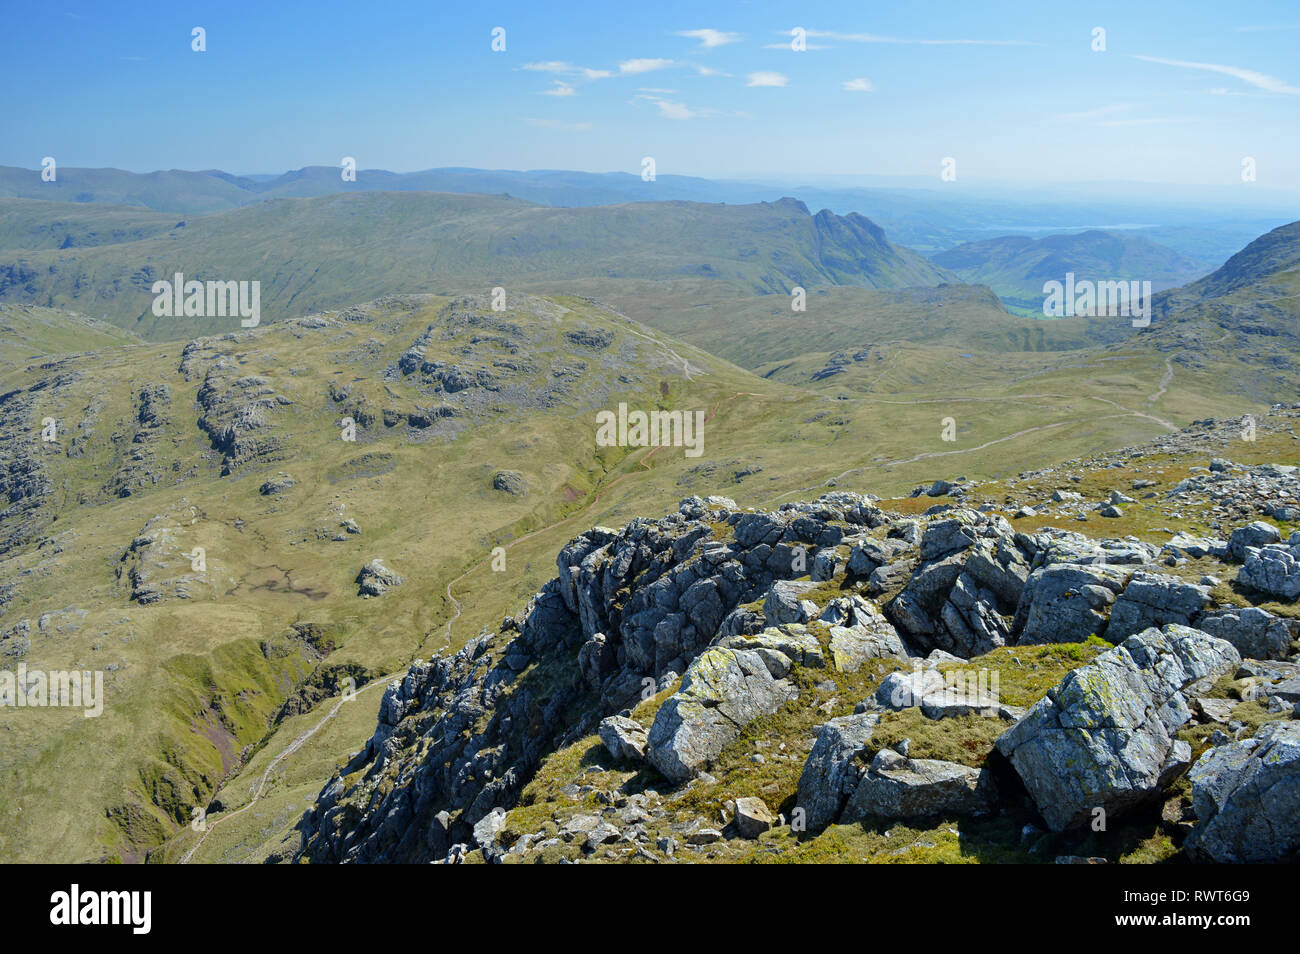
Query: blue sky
{"x": 1013, "y": 91}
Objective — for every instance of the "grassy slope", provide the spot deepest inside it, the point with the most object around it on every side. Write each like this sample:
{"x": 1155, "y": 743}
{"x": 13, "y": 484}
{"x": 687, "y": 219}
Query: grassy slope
{"x": 179, "y": 665}
{"x": 28, "y": 333}
{"x": 761, "y": 331}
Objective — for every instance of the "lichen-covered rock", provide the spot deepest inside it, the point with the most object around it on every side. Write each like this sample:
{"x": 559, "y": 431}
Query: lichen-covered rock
{"x": 781, "y": 648}
{"x": 1252, "y": 535}
{"x": 1274, "y": 569}
{"x": 859, "y": 632}
{"x": 511, "y": 482}
{"x": 899, "y": 787}
{"x": 624, "y": 738}
{"x": 375, "y": 579}
{"x": 1256, "y": 633}
{"x": 753, "y": 817}
{"x": 903, "y": 690}
{"x": 1246, "y": 796}
{"x": 1104, "y": 737}
{"x": 830, "y": 773}
{"x": 784, "y": 603}
{"x": 722, "y": 691}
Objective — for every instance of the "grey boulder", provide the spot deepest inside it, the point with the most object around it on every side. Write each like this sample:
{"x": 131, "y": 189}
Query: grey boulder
{"x": 895, "y": 786}
{"x": 1104, "y": 737}
{"x": 722, "y": 691}
{"x": 1246, "y": 796}
{"x": 830, "y": 773}
{"x": 625, "y": 738}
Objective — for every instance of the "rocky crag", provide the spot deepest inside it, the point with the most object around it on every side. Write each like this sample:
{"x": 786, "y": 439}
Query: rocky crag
{"x": 725, "y": 683}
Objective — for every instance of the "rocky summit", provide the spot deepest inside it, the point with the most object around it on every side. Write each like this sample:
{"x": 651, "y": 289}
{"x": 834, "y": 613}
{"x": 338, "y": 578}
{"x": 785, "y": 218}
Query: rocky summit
{"x": 834, "y": 678}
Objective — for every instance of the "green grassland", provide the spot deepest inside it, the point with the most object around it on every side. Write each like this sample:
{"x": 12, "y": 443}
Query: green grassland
{"x": 29, "y": 333}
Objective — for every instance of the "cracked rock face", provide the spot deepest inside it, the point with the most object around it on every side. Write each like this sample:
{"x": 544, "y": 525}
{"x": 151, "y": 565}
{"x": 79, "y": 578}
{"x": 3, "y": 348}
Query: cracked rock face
{"x": 722, "y": 691}
{"x": 1273, "y": 569}
{"x": 1104, "y": 738}
{"x": 1246, "y": 796}
{"x": 1067, "y": 603}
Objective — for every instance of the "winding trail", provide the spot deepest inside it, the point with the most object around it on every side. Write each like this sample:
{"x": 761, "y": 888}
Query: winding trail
{"x": 289, "y": 750}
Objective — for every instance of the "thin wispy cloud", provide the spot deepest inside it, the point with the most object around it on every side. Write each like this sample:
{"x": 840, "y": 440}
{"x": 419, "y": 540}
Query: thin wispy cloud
{"x": 550, "y": 66}
{"x": 786, "y": 46}
{"x": 767, "y": 78}
{"x": 858, "y": 85}
{"x": 1149, "y": 121}
{"x": 709, "y": 71}
{"x": 566, "y": 69}
{"x": 559, "y": 89}
{"x": 645, "y": 65}
{"x": 710, "y": 38}
{"x": 876, "y": 38}
{"x": 671, "y": 109}
{"x": 1253, "y": 77}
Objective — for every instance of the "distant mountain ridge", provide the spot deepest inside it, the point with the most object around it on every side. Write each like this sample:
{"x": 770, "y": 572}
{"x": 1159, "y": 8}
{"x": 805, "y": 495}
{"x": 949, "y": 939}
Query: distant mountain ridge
{"x": 323, "y": 252}
{"x": 918, "y": 213}
{"x": 1016, "y": 266}
{"x": 1255, "y": 294}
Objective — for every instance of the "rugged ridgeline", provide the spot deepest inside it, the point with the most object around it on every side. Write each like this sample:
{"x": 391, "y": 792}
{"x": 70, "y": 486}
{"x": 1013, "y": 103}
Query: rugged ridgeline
{"x": 728, "y": 684}
{"x": 1248, "y": 305}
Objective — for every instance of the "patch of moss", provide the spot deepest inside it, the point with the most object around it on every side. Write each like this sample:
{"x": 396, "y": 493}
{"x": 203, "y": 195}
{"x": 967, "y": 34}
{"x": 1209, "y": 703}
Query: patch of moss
{"x": 966, "y": 740}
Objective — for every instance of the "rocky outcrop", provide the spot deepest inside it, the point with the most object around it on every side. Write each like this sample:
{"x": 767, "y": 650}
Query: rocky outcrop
{"x": 138, "y": 468}
{"x": 713, "y": 596}
{"x": 722, "y": 691}
{"x": 964, "y": 592}
{"x": 1067, "y": 603}
{"x": 1255, "y": 632}
{"x": 375, "y": 579}
{"x": 1104, "y": 738}
{"x": 511, "y": 482}
{"x": 859, "y": 632}
{"x": 236, "y": 412}
{"x": 831, "y": 771}
{"x": 628, "y": 607}
{"x": 1152, "y": 600}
